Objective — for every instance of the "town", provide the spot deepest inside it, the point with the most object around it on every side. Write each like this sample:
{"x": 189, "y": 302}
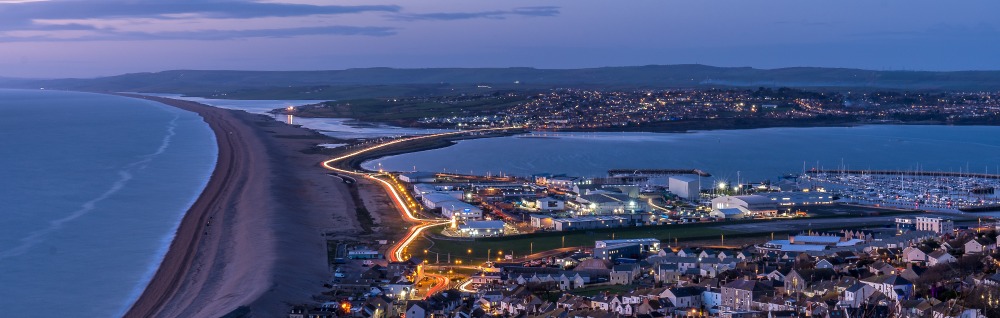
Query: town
{"x": 576, "y": 109}
{"x": 653, "y": 243}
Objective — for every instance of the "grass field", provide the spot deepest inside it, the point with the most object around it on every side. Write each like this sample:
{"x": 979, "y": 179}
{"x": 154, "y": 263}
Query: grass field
{"x": 475, "y": 252}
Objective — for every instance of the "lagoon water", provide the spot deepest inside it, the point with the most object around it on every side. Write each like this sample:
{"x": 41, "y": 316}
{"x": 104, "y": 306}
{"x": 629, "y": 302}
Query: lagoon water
{"x": 754, "y": 155}
{"x": 93, "y": 188}
{"x": 344, "y": 128}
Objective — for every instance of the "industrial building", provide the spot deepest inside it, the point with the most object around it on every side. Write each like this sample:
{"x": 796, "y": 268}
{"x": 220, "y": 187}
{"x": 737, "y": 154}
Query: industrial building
{"x": 771, "y": 202}
{"x": 460, "y": 210}
{"x": 600, "y": 221}
{"x": 614, "y": 252}
{"x": 646, "y": 244}
{"x": 625, "y": 248}
{"x": 482, "y": 228}
{"x": 565, "y": 183}
{"x": 436, "y": 199}
{"x": 607, "y": 203}
{"x": 730, "y": 213}
{"x": 541, "y": 221}
{"x": 686, "y": 187}
{"x": 415, "y": 177}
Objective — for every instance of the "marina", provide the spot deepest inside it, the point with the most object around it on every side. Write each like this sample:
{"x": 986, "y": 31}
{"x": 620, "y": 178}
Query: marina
{"x": 922, "y": 190}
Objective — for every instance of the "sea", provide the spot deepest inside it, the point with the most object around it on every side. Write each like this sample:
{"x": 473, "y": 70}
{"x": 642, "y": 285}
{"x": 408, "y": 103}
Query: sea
{"x": 728, "y": 155}
{"x": 92, "y": 189}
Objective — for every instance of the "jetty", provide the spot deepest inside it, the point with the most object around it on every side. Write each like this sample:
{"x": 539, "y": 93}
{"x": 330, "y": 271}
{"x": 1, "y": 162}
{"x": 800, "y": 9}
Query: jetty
{"x": 907, "y": 173}
{"x": 656, "y": 172}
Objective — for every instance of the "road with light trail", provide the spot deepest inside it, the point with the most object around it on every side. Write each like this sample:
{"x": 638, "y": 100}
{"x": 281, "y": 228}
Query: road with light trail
{"x": 420, "y": 224}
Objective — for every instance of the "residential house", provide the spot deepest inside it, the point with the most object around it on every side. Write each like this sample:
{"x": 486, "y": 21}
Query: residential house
{"x": 980, "y": 245}
{"x": 417, "y": 309}
{"x": 893, "y": 286}
{"x": 939, "y": 257}
{"x": 740, "y": 294}
{"x": 624, "y": 274}
{"x": 855, "y": 295}
{"x": 667, "y": 273}
{"x": 684, "y": 297}
{"x": 799, "y": 280}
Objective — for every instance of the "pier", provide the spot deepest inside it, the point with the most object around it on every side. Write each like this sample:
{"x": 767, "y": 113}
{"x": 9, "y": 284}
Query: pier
{"x": 656, "y": 172}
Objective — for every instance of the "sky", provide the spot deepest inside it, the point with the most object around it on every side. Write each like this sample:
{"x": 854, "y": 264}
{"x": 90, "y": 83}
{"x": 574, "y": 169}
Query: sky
{"x": 89, "y": 38}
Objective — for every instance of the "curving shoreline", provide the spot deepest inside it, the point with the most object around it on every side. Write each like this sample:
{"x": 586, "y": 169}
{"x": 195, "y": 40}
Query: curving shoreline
{"x": 255, "y": 239}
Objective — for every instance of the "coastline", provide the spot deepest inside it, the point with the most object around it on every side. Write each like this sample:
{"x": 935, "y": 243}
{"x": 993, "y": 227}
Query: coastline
{"x": 255, "y": 239}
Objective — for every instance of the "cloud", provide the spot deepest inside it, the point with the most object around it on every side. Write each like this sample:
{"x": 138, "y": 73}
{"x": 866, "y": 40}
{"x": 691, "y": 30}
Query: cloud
{"x": 541, "y": 11}
{"x": 75, "y": 20}
{"x": 112, "y": 20}
{"x": 233, "y": 9}
{"x": 204, "y": 35}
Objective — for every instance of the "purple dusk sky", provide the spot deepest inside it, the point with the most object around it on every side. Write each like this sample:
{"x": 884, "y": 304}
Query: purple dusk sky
{"x": 75, "y": 38}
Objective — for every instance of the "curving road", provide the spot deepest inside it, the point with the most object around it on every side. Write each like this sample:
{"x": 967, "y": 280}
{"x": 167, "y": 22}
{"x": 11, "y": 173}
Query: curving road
{"x": 421, "y": 224}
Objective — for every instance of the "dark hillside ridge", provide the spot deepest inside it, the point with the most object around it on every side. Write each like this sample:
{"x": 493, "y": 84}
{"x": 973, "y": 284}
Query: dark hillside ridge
{"x": 652, "y": 76}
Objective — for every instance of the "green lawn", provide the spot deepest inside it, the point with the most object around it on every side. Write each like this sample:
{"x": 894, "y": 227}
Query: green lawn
{"x": 475, "y": 252}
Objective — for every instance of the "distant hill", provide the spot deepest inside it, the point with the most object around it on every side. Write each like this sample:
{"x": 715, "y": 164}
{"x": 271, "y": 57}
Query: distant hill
{"x": 408, "y": 81}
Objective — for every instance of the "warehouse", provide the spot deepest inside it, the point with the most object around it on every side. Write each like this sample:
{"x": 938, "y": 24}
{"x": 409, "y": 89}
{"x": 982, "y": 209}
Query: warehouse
{"x": 686, "y": 187}
{"x": 460, "y": 210}
{"x": 415, "y": 177}
{"x": 729, "y": 213}
{"x": 771, "y": 202}
{"x": 481, "y": 228}
{"x": 436, "y": 199}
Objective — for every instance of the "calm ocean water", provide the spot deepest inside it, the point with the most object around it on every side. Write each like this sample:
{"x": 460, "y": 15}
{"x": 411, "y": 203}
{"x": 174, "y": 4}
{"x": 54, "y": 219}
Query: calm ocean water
{"x": 93, "y": 188}
{"x": 753, "y": 155}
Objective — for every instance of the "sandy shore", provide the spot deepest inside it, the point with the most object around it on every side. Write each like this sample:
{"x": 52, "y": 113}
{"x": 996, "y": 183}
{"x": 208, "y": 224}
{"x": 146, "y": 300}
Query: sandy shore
{"x": 256, "y": 237}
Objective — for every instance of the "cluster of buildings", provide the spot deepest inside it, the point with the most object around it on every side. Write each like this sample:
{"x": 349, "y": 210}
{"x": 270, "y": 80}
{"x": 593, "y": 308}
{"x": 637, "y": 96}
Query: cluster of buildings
{"x": 923, "y": 268}
{"x": 595, "y": 109}
{"x": 766, "y": 203}
{"x": 886, "y": 277}
{"x": 549, "y": 202}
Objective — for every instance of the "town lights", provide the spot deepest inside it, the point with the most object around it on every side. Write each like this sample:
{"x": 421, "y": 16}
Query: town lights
{"x": 722, "y": 185}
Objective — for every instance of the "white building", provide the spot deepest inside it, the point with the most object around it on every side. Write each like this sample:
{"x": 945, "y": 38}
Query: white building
{"x": 936, "y": 225}
{"x": 482, "y": 228}
{"x": 771, "y": 202}
{"x": 565, "y": 183}
{"x": 418, "y": 177}
{"x": 686, "y": 187}
{"x": 730, "y": 213}
{"x": 607, "y": 203}
{"x": 460, "y": 210}
{"x": 436, "y": 199}
{"x": 549, "y": 204}
{"x": 541, "y": 221}
{"x": 420, "y": 189}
